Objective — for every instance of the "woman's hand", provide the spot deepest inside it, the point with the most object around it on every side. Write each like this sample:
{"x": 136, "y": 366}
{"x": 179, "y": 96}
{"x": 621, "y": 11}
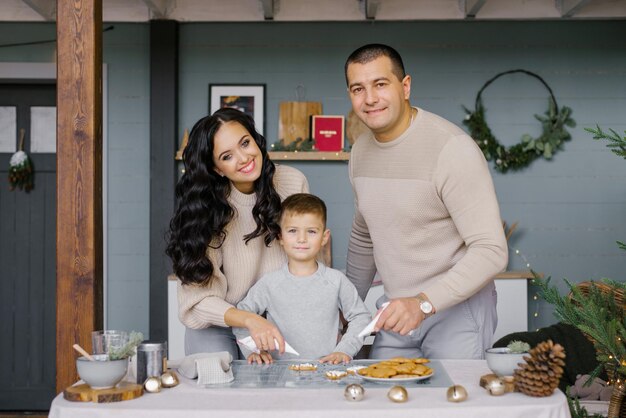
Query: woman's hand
{"x": 266, "y": 335}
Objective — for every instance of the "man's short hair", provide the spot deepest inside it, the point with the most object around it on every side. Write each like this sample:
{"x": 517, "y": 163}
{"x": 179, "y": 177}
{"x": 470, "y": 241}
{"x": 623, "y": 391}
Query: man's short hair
{"x": 304, "y": 203}
{"x": 370, "y": 52}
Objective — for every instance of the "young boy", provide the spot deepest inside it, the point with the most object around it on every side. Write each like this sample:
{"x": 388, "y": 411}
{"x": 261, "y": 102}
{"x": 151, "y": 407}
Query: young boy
{"x": 304, "y": 297}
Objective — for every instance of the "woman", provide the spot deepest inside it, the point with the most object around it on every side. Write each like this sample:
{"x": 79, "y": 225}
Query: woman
{"x": 223, "y": 230}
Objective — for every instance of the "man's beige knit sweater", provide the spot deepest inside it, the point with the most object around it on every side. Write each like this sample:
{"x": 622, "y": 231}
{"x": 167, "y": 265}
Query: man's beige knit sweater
{"x": 427, "y": 218}
{"x": 237, "y": 265}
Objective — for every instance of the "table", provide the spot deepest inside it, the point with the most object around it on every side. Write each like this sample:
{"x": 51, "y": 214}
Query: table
{"x": 189, "y": 401}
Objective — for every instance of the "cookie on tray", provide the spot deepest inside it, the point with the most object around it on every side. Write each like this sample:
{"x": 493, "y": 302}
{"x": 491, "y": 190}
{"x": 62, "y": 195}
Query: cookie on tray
{"x": 303, "y": 367}
{"x": 335, "y": 374}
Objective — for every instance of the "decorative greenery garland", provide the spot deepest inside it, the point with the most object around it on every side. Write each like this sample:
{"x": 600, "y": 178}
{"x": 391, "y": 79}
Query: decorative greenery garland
{"x": 298, "y": 145}
{"x": 522, "y": 154}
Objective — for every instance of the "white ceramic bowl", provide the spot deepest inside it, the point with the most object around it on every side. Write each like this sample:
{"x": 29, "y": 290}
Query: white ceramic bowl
{"x": 502, "y": 362}
{"x": 102, "y": 373}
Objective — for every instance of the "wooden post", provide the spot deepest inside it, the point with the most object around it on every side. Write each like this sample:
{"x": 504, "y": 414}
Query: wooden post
{"x": 79, "y": 180}
{"x": 163, "y": 138}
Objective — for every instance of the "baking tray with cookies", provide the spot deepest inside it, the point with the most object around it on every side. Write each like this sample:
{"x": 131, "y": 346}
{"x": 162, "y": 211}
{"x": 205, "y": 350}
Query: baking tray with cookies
{"x": 312, "y": 374}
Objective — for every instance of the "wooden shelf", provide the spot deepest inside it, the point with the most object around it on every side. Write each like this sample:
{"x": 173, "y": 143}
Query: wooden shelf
{"x": 309, "y": 156}
{"x": 525, "y": 274}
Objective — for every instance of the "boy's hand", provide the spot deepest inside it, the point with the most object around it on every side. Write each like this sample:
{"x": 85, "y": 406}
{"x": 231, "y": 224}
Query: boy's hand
{"x": 260, "y": 358}
{"x": 336, "y": 358}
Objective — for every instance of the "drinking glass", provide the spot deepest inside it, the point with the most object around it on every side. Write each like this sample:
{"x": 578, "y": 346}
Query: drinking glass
{"x": 104, "y": 341}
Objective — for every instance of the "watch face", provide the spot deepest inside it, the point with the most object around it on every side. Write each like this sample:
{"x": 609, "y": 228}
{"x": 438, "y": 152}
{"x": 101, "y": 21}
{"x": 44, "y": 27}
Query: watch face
{"x": 426, "y": 307}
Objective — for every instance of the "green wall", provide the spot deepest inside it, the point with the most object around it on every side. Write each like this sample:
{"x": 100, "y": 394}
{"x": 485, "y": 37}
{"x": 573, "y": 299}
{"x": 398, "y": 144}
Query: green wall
{"x": 570, "y": 210}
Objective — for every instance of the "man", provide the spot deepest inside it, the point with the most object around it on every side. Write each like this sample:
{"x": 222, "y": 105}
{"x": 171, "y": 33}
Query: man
{"x": 426, "y": 219}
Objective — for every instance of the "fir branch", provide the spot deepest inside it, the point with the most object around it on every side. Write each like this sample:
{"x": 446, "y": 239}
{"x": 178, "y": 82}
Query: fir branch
{"x": 597, "y": 315}
{"x": 576, "y": 410}
{"x": 617, "y": 144}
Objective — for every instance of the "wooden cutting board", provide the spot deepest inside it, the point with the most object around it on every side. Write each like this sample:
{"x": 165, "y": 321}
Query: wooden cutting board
{"x": 84, "y": 393}
{"x": 294, "y": 120}
{"x": 354, "y": 127}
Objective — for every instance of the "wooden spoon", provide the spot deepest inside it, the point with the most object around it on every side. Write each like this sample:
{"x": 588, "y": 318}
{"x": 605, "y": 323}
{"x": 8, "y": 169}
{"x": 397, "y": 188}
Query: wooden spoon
{"x": 82, "y": 351}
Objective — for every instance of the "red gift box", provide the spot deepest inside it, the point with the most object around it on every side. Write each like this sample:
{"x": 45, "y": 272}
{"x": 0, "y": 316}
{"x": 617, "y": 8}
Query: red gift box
{"x": 328, "y": 132}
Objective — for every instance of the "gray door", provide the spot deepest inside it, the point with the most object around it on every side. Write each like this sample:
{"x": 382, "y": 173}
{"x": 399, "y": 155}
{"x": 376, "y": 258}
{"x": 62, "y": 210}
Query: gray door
{"x": 28, "y": 253}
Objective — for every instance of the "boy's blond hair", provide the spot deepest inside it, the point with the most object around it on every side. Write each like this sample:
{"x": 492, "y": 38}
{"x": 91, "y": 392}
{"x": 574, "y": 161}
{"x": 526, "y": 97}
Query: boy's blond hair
{"x": 303, "y": 203}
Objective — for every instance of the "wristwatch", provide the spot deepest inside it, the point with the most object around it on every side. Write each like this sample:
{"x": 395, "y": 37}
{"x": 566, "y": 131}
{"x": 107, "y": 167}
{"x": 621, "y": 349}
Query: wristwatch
{"x": 425, "y": 306}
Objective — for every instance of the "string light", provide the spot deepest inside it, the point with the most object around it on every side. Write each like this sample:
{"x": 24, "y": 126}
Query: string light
{"x": 535, "y": 313}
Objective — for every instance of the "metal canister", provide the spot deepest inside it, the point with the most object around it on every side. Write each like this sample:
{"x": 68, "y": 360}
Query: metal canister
{"x": 151, "y": 360}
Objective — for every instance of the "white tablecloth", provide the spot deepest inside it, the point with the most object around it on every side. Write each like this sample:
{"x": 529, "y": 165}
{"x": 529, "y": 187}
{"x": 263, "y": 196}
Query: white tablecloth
{"x": 189, "y": 401}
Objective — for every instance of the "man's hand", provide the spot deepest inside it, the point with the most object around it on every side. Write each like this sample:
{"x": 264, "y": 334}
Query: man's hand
{"x": 336, "y": 358}
{"x": 260, "y": 358}
{"x": 402, "y": 316}
{"x": 263, "y": 332}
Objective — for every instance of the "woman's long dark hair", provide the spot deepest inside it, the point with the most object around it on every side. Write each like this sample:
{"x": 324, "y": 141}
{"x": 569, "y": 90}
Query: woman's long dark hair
{"x": 202, "y": 209}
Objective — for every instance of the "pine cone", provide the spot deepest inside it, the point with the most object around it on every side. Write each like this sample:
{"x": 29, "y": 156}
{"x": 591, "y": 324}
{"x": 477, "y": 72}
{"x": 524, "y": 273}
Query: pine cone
{"x": 543, "y": 369}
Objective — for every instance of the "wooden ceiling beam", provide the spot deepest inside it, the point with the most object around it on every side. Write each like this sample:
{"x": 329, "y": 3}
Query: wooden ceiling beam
{"x": 45, "y": 8}
{"x": 159, "y": 9}
{"x": 371, "y": 8}
{"x": 470, "y": 8}
{"x": 268, "y": 8}
{"x": 568, "y": 8}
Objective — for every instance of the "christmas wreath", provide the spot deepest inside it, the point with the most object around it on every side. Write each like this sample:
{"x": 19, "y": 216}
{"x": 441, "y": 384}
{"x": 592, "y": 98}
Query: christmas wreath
{"x": 522, "y": 154}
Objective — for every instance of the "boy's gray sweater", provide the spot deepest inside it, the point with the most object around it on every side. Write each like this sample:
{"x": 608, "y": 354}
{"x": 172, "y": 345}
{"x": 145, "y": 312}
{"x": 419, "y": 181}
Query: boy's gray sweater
{"x": 306, "y": 311}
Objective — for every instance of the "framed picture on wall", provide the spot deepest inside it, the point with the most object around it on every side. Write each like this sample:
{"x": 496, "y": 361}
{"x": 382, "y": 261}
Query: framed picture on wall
{"x": 249, "y": 98}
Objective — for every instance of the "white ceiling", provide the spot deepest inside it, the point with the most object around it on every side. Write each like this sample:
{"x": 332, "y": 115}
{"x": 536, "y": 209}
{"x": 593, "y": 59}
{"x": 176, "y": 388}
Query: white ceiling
{"x": 324, "y": 10}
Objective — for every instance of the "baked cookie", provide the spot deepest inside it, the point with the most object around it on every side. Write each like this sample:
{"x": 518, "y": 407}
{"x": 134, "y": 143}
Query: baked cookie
{"x": 335, "y": 374}
{"x": 405, "y": 368}
{"x": 401, "y": 360}
{"x": 354, "y": 369}
{"x": 383, "y": 373}
{"x": 303, "y": 367}
{"x": 421, "y": 370}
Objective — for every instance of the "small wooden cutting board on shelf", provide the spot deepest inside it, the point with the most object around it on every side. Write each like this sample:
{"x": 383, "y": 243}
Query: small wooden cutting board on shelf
{"x": 84, "y": 393}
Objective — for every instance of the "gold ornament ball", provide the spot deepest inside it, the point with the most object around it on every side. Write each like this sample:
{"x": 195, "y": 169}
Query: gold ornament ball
{"x": 456, "y": 393}
{"x": 495, "y": 387}
{"x": 398, "y": 394}
{"x": 354, "y": 392}
{"x": 169, "y": 379}
{"x": 152, "y": 385}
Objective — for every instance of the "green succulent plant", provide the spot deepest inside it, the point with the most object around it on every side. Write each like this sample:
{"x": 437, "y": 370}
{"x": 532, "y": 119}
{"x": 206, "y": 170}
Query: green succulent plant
{"x": 518, "y": 347}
